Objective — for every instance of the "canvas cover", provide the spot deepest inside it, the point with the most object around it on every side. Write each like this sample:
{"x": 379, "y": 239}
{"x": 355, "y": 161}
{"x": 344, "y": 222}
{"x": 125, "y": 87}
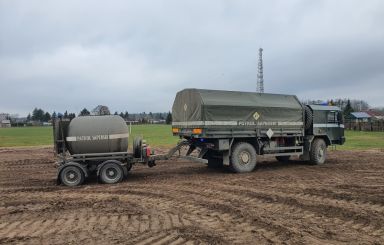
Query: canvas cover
{"x": 213, "y": 108}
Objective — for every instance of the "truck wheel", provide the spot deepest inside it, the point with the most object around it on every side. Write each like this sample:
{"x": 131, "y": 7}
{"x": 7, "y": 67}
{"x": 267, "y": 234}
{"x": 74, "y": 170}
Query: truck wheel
{"x": 283, "y": 158}
{"x": 318, "y": 152}
{"x": 111, "y": 173}
{"x": 72, "y": 176}
{"x": 243, "y": 158}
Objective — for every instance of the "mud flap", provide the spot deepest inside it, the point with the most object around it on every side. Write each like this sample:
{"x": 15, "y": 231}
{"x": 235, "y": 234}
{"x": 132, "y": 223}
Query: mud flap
{"x": 226, "y": 158}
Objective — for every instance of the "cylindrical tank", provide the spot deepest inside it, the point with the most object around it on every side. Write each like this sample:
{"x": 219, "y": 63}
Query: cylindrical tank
{"x": 97, "y": 134}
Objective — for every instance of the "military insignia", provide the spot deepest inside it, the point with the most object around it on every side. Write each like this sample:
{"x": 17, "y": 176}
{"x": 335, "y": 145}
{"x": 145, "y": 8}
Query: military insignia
{"x": 256, "y": 116}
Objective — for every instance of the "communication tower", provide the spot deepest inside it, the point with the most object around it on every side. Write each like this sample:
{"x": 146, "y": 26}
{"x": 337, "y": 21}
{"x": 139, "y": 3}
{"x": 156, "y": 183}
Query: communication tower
{"x": 260, "y": 78}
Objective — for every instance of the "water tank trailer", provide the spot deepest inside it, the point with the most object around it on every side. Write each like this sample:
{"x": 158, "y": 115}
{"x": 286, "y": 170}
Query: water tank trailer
{"x": 98, "y": 145}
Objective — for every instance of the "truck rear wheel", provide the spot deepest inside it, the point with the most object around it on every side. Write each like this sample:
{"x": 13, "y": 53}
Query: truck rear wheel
{"x": 243, "y": 158}
{"x": 111, "y": 173}
{"x": 72, "y": 176}
{"x": 318, "y": 152}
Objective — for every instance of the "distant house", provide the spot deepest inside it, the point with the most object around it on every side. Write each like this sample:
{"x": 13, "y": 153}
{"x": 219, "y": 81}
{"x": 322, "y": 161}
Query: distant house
{"x": 359, "y": 117}
{"x": 5, "y": 123}
{"x": 375, "y": 115}
{"x": 4, "y": 116}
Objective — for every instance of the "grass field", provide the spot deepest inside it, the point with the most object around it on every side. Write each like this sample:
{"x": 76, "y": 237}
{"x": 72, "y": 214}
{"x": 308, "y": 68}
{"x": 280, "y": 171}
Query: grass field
{"x": 156, "y": 135}
{"x": 160, "y": 135}
{"x": 356, "y": 140}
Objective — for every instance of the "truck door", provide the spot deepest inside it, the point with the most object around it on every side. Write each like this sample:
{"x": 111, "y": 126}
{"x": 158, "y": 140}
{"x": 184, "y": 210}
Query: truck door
{"x": 333, "y": 126}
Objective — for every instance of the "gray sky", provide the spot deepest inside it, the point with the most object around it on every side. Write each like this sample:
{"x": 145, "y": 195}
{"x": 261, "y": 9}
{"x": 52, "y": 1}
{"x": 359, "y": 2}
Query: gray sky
{"x": 135, "y": 55}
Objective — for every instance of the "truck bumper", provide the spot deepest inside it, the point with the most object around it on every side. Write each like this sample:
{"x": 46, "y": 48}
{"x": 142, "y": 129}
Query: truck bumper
{"x": 342, "y": 140}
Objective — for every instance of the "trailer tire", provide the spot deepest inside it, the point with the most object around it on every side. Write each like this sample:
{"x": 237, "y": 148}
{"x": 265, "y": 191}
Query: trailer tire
{"x": 318, "y": 152}
{"x": 111, "y": 173}
{"x": 283, "y": 158}
{"x": 71, "y": 175}
{"x": 308, "y": 117}
{"x": 243, "y": 158}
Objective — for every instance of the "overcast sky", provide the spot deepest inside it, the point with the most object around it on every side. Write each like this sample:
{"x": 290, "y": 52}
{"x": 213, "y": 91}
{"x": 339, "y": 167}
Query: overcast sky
{"x": 135, "y": 55}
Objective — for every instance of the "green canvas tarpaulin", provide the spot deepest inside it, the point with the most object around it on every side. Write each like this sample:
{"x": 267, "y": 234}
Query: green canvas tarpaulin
{"x": 212, "y": 108}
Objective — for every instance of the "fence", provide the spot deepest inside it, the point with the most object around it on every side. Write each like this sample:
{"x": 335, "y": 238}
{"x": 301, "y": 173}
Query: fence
{"x": 365, "y": 126}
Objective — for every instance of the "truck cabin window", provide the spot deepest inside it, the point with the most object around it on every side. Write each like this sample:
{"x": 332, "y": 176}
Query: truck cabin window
{"x": 332, "y": 117}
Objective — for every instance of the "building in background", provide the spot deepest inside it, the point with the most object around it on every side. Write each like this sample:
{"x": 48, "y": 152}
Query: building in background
{"x": 5, "y": 123}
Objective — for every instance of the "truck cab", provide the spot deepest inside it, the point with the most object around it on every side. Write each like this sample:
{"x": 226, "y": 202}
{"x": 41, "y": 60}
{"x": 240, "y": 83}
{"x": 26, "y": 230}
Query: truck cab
{"x": 327, "y": 123}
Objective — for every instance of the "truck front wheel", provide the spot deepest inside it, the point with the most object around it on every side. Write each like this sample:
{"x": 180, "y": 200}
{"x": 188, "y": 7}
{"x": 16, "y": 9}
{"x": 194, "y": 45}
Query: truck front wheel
{"x": 243, "y": 158}
{"x": 318, "y": 152}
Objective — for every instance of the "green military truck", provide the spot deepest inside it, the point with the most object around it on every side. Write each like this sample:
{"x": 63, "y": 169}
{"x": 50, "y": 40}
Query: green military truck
{"x": 232, "y": 128}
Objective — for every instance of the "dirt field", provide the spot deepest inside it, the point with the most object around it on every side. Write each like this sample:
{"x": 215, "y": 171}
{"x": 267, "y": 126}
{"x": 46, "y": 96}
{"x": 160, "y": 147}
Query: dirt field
{"x": 179, "y": 202}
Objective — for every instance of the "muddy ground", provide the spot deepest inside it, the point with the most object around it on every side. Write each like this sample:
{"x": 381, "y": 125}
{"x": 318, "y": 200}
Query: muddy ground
{"x": 179, "y": 202}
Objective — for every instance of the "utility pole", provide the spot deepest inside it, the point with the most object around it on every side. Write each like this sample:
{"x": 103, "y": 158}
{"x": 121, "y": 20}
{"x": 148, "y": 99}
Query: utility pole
{"x": 260, "y": 77}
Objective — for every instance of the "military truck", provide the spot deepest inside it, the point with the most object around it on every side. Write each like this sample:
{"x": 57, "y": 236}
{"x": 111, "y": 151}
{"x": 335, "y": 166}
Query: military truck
{"x": 232, "y": 128}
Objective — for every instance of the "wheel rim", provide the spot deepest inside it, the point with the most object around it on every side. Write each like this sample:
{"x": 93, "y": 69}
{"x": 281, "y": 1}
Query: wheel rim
{"x": 71, "y": 176}
{"x": 245, "y": 157}
{"x": 321, "y": 153}
{"x": 111, "y": 174}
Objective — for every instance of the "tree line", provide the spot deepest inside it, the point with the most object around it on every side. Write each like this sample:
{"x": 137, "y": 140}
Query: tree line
{"x": 39, "y": 115}
{"x": 346, "y": 105}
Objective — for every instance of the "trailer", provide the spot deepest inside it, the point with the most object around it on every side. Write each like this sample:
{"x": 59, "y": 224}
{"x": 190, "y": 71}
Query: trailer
{"x": 98, "y": 145}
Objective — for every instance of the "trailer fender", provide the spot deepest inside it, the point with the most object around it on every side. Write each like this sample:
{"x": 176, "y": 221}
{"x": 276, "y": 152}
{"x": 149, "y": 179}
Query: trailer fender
{"x": 125, "y": 170}
{"x": 76, "y": 164}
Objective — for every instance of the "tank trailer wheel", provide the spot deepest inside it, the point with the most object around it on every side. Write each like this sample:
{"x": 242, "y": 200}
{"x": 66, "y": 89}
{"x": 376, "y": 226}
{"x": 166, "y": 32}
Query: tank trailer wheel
{"x": 111, "y": 173}
{"x": 243, "y": 158}
{"x": 318, "y": 152}
{"x": 72, "y": 176}
{"x": 283, "y": 158}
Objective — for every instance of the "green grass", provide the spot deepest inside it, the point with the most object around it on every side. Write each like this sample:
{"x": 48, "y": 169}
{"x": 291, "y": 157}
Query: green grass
{"x": 155, "y": 135}
{"x": 161, "y": 135}
{"x": 356, "y": 140}
{"x": 26, "y": 136}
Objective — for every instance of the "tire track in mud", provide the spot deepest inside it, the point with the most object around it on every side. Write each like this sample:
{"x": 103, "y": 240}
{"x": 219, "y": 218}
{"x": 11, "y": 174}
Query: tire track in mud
{"x": 277, "y": 209}
{"x": 171, "y": 206}
{"x": 84, "y": 225}
{"x": 197, "y": 215}
{"x": 314, "y": 214}
{"x": 155, "y": 199}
